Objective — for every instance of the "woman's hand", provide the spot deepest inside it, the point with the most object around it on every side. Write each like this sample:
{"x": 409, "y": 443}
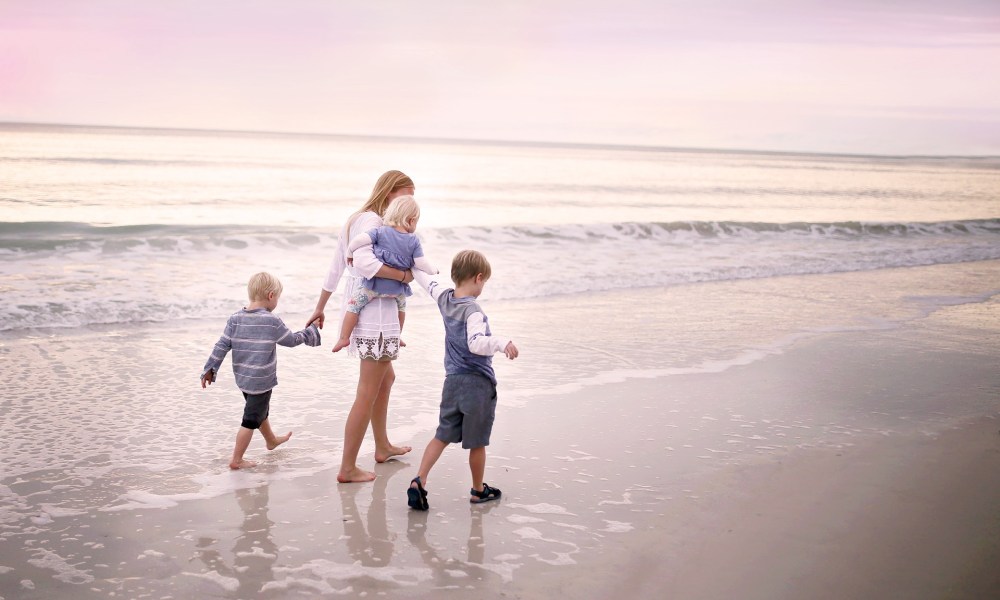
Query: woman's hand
{"x": 318, "y": 317}
{"x": 510, "y": 350}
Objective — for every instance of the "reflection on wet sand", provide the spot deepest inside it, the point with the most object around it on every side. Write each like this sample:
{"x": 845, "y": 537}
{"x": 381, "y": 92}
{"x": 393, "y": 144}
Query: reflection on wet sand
{"x": 372, "y": 547}
{"x": 254, "y": 551}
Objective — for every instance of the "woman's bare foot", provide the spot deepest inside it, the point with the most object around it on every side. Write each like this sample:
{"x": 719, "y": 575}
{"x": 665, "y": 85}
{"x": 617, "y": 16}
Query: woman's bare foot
{"x": 383, "y": 455}
{"x": 279, "y": 440}
{"x": 242, "y": 464}
{"x": 341, "y": 344}
{"x": 355, "y": 475}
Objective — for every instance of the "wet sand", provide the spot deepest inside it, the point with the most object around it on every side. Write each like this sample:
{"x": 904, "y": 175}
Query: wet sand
{"x": 843, "y": 467}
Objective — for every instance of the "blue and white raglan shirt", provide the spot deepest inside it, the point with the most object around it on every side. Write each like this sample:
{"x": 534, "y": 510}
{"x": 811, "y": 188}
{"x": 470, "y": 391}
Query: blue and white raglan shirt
{"x": 469, "y": 345}
{"x": 253, "y": 336}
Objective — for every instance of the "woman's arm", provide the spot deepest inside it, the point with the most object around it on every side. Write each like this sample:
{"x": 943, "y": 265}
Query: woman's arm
{"x": 368, "y": 266}
{"x": 318, "y": 315}
{"x": 333, "y": 275}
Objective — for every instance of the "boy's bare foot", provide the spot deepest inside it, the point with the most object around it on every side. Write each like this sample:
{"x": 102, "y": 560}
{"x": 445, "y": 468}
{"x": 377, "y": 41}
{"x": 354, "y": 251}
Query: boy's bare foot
{"x": 279, "y": 440}
{"x": 242, "y": 464}
{"x": 355, "y": 475}
{"x": 382, "y": 456}
{"x": 341, "y": 344}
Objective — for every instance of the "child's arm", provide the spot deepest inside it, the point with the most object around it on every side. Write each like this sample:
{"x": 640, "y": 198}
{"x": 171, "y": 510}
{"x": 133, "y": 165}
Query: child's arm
{"x": 422, "y": 264}
{"x": 430, "y": 285}
{"x": 219, "y": 352}
{"x": 482, "y": 342}
{"x": 420, "y": 261}
{"x": 360, "y": 240}
{"x": 284, "y": 336}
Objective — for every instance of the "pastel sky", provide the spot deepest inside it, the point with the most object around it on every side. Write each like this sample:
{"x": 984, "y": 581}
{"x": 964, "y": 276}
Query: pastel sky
{"x": 856, "y": 76}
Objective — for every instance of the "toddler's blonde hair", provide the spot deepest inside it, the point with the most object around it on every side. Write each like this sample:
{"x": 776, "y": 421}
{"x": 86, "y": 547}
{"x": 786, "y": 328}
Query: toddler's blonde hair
{"x": 261, "y": 284}
{"x": 402, "y": 209}
{"x": 467, "y": 264}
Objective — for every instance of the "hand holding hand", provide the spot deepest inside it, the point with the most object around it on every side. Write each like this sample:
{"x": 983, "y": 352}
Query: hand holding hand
{"x": 318, "y": 318}
{"x": 207, "y": 378}
{"x": 510, "y": 350}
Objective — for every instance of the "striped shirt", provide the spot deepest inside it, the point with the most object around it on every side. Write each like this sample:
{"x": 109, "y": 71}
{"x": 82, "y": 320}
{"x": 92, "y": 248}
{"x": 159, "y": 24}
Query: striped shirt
{"x": 252, "y": 335}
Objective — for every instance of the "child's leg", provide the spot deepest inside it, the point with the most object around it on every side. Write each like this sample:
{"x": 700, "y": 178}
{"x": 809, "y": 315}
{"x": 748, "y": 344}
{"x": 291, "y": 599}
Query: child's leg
{"x": 481, "y": 492}
{"x": 477, "y": 464}
{"x": 350, "y": 322}
{"x": 431, "y": 455}
{"x": 401, "y": 306}
{"x": 243, "y": 437}
{"x": 254, "y": 416}
{"x": 360, "y": 299}
{"x": 272, "y": 440}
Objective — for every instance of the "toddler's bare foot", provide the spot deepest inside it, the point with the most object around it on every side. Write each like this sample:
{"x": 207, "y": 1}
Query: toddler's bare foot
{"x": 341, "y": 344}
{"x": 355, "y": 475}
{"x": 242, "y": 464}
{"x": 279, "y": 440}
{"x": 383, "y": 455}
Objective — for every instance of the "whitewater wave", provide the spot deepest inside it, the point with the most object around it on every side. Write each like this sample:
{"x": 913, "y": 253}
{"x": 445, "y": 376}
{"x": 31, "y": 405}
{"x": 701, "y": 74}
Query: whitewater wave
{"x": 75, "y": 275}
{"x": 24, "y": 238}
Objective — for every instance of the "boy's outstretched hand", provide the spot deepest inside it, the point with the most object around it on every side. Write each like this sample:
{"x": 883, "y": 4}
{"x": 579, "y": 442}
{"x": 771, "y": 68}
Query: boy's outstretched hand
{"x": 510, "y": 350}
{"x": 207, "y": 378}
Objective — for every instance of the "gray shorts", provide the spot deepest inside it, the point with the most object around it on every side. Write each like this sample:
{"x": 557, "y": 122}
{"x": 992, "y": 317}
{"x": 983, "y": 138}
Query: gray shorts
{"x": 468, "y": 405}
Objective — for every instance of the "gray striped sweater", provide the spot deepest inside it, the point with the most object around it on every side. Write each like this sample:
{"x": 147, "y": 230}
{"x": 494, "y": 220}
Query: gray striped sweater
{"x": 252, "y": 335}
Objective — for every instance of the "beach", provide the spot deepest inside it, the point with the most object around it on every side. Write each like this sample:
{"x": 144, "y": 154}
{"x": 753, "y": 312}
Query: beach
{"x": 753, "y": 375}
{"x": 853, "y": 463}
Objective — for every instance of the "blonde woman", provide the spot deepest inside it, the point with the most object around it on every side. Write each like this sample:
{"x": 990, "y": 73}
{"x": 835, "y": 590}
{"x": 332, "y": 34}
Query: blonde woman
{"x": 375, "y": 339}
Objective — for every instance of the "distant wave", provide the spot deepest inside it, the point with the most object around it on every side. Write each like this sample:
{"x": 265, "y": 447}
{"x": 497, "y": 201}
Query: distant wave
{"x": 50, "y": 236}
{"x": 112, "y": 161}
{"x": 43, "y": 236}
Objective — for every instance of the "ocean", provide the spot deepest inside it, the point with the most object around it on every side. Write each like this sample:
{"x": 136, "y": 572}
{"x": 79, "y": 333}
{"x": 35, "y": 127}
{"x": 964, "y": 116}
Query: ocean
{"x": 122, "y": 252}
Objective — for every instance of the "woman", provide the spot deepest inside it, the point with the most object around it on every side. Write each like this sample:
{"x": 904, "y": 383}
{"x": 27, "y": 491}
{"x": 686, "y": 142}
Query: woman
{"x": 376, "y": 338}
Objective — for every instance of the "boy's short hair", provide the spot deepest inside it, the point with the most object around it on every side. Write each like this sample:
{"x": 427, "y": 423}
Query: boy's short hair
{"x": 467, "y": 264}
{"x": 402, "y": 209}
{"x": 261, "y": 284}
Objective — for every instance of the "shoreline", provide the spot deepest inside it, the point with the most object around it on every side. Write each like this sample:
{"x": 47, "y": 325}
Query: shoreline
{"x": 826, "y": 470}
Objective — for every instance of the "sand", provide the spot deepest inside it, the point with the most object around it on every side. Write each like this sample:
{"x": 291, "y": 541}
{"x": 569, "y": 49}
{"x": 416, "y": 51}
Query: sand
{"x": 852, "y": 465}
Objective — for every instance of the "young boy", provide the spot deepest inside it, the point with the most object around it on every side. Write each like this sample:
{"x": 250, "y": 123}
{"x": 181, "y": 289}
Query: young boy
{"x": 252, "y": 334}
{"x": 469, "y": 397}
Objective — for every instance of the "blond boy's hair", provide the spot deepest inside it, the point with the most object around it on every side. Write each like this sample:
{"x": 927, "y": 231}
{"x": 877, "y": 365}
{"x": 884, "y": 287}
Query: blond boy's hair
{"x": 467, "y": 264}
{"x": 402, "y": 209}
{"x": 261, "y": 285}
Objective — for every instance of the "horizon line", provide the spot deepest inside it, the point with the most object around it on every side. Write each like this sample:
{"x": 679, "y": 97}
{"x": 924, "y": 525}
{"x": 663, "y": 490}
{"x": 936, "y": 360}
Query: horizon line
{"x": 497, "y": 142}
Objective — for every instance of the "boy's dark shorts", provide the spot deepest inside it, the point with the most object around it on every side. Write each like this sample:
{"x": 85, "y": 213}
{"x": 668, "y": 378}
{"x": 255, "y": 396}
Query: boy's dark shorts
{"x": 256, "y": 410}
{"x": 468, "y": 405}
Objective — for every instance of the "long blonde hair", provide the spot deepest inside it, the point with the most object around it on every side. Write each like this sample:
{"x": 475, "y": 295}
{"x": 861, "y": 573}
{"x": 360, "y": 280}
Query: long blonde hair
{"x": 389, "y": 182}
